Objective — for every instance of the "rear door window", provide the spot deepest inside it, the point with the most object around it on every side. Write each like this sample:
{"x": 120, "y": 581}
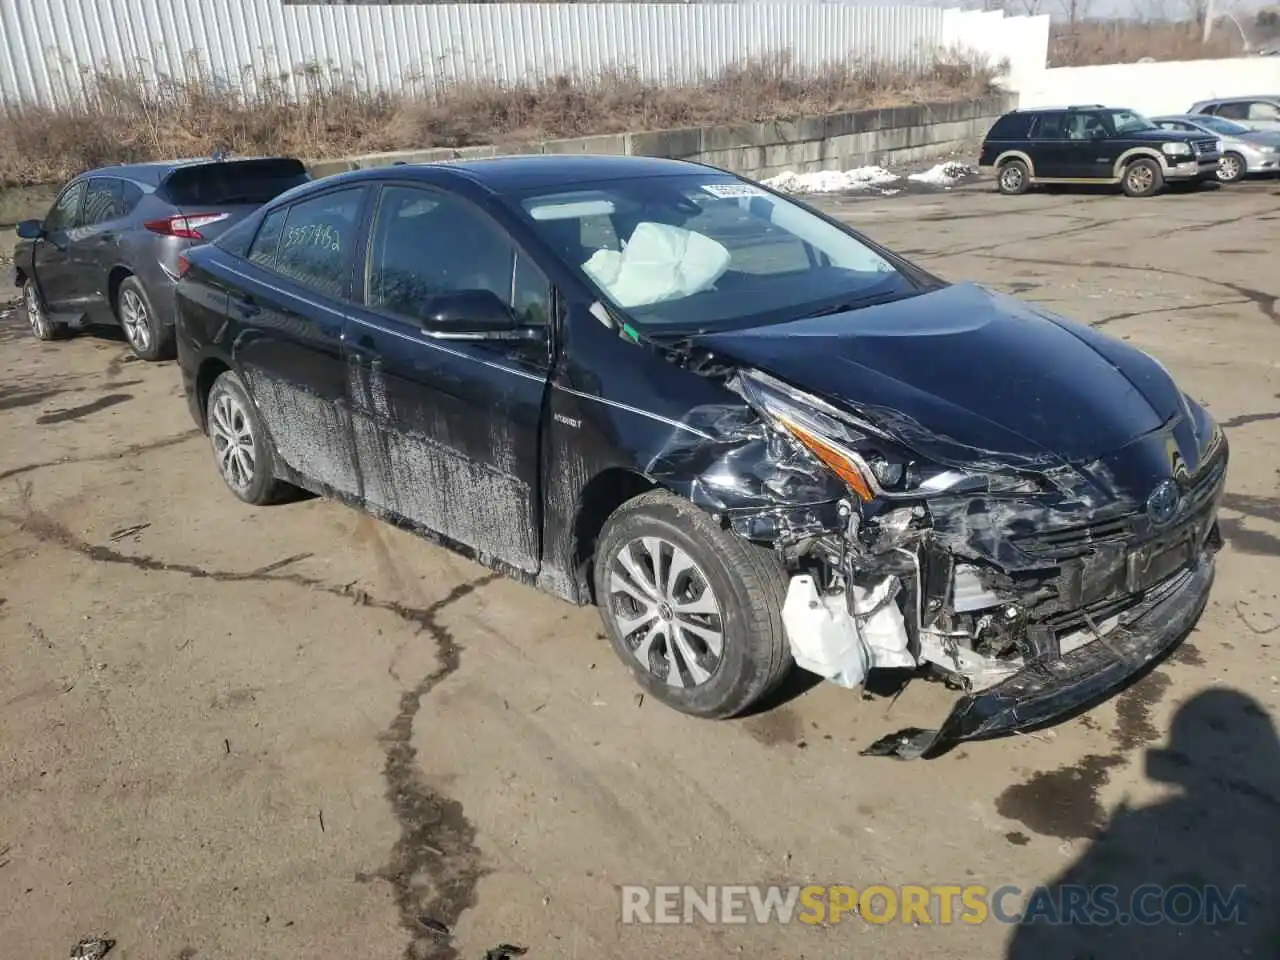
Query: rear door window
{"x": 103, "y": 201}
{"x": 316, "y": 242}
{"x": 232, "y": 182}
{"x": 1049, "y": 126}
{"x": 1233, "y": 111}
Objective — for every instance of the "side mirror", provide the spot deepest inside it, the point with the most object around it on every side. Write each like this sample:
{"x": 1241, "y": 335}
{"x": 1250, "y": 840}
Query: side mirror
{"x": 474, "y": 314}
{"x": 30, "y": 229}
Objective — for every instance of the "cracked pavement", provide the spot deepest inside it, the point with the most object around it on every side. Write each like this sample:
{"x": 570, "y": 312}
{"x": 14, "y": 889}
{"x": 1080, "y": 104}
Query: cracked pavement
{"x": 236, "y": 732}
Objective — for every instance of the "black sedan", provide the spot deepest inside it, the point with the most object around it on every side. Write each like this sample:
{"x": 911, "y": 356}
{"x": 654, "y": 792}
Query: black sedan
{"x": 107, "y": 250}
{"x": 749, "y": 434}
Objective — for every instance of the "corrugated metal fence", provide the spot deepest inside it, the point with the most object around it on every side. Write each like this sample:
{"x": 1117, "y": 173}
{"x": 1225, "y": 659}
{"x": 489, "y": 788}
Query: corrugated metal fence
{"x": 50, "y": 47}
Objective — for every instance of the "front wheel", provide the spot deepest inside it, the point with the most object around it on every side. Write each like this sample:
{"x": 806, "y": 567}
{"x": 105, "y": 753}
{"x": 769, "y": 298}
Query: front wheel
{"x": 42, "y": 327}
{"x": 693, "y": 611}
{"x": 1231, "y": 168}
{"x": 1142, "y": 178}
{"x": 241, "y": 447}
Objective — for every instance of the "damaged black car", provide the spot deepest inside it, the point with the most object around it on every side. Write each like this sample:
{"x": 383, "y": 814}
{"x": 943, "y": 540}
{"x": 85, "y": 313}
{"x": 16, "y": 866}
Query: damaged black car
{"x": 753, "y": 437}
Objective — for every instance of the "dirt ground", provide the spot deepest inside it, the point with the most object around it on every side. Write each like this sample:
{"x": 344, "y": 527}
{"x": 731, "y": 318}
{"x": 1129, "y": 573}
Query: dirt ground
{"x": 238, "y": 733}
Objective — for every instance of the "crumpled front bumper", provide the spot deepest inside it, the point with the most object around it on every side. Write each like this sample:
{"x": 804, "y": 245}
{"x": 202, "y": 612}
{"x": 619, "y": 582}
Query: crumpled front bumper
{"x": 1044, "y": 691}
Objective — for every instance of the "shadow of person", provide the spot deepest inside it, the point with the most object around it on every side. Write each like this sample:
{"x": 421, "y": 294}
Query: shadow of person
{"x": 1195, "y": 875}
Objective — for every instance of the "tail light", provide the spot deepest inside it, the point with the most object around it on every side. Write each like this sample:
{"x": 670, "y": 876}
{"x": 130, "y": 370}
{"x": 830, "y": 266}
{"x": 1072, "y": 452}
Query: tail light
{"x": 183, "y": 266}
{"x": 187, "y": 227}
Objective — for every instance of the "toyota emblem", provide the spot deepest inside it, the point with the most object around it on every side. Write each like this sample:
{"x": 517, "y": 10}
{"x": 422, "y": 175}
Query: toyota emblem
{"x": 1162, "y": 505}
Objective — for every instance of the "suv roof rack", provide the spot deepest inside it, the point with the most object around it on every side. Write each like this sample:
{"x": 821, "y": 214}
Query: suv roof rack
{"x": 1052, "y": 107}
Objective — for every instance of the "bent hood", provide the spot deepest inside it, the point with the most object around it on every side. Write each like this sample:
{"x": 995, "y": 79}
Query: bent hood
{"x": 964, "y": 374}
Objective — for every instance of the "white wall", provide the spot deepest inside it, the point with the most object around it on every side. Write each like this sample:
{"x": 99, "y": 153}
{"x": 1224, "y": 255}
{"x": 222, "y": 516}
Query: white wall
{"x": 1151, "y": 88}
{"x": 1023, "y": 41}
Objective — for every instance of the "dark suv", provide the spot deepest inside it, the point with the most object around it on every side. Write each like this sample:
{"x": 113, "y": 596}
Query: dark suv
{"x": 1094, "y": 144}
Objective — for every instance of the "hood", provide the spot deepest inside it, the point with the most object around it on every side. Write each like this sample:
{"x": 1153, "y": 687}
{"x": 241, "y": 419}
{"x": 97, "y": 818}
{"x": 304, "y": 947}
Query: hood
{"x": 1165, "y": 136}
{"x": 965, "y": 375}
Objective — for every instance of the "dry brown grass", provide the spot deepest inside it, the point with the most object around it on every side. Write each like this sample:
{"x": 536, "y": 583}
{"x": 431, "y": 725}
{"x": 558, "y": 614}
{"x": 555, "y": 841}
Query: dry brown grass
{"x": 315, "y": 114}
{"x": 1088, "y": 43}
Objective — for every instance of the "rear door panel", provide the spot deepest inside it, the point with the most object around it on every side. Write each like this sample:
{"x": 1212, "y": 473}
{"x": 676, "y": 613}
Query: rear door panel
{"x": 1049, "y": 146}
{"x": 286, "y": 318}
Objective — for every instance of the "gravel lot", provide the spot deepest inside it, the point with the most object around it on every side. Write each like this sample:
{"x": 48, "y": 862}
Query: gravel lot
{"x": 238, "y": 733}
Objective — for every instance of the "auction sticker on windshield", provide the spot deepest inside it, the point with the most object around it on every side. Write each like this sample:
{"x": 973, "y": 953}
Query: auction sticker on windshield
{"x": 729, "y": 191}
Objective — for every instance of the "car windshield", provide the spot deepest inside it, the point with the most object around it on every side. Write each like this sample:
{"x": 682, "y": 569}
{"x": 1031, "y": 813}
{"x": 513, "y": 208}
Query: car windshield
{"x": 708, "y": 252}
{"x": 1223, "y": 126}
{"x": 1128, "y": 121}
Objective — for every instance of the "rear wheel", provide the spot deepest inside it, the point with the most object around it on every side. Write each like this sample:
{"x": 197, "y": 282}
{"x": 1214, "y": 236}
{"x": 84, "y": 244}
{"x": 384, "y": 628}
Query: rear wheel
{"x": 241, "y": 447}
{"x": 42, "y": 328}
{"x": 1014, "y": 178}
{"x": 694, "y": 612}
{"x": 1142, "y": 178}
{"x": 150, "y": 338}
{"x": 1231, "y": 168}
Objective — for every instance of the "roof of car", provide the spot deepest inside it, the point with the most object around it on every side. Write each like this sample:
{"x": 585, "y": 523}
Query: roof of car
{"x": 153, "y": 171}
{"x": 1240, "y": 96}
{"x": 534, "y": 171}
{"x": 1065, "y": 108}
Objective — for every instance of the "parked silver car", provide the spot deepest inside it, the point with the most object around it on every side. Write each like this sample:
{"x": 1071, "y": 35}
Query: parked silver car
{"x": 1260, "y": 112}
{"x": 107, "y": 251}
{"x": 1244, "y": 151}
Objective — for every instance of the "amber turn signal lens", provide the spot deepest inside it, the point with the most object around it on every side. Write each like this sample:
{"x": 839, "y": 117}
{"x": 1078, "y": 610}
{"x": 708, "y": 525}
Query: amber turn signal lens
{"x": 842, "y": 466}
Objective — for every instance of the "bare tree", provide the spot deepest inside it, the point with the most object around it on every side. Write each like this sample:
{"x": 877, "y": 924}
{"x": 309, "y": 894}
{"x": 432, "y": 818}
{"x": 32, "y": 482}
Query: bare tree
{"x": 1030, "y": 8}
{"x": 1075, "y": 10}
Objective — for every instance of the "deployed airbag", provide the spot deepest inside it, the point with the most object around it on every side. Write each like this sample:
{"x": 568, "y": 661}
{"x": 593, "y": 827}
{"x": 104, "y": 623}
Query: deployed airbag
{"x": 660, "y": 262}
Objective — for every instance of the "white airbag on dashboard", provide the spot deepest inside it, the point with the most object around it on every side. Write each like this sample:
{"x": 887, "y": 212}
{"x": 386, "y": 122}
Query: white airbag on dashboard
{"x": 660, "y": 262}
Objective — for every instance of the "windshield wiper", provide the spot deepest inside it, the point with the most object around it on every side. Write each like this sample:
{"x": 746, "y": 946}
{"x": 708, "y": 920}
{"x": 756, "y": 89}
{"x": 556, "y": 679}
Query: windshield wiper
{"x": 844, "y": 306}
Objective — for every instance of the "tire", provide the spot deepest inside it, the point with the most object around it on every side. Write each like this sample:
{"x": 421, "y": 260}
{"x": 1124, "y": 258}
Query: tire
{"x": 242, "y": 448}
{"x": 1013, "y": 179}
{"x": 1232, "y": 168}
{"x": 149, "y": 336}
{"x": 747, "y": 589}
{"x": 42, "y": 328}
{"x": 1142, "y": 178}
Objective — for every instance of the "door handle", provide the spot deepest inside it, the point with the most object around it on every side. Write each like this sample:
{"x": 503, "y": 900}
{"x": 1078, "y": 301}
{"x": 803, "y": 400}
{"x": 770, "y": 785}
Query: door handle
{"x": 246, "y": 305}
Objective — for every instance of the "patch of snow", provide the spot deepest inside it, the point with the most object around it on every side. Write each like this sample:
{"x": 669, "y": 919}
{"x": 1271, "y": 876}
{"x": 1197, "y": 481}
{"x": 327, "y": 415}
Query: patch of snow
{"x": 830, "y": 181}
{"x": 943, "y": 174}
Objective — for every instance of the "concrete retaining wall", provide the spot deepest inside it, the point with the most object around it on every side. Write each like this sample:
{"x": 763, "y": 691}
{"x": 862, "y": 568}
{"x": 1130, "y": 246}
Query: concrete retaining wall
{"x": 840, "y": 141}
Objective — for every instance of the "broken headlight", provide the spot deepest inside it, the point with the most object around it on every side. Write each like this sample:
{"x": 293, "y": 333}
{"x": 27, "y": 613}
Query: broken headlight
{"x": 870, "y": 462}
